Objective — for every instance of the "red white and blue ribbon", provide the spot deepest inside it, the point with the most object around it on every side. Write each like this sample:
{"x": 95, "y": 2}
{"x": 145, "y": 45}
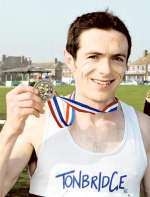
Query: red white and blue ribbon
{"x": 66, "y": 117}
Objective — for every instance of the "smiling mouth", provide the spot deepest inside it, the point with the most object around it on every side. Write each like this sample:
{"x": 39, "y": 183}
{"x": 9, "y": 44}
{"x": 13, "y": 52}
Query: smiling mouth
{"x": 103, "y": 82}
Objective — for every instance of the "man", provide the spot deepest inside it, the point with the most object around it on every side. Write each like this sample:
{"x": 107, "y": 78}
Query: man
{"x": 106, "y": 154}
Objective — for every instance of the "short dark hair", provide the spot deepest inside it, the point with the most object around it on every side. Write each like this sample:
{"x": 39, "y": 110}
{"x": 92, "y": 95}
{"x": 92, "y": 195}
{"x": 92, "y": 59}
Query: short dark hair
{"x": 101, "y": 20}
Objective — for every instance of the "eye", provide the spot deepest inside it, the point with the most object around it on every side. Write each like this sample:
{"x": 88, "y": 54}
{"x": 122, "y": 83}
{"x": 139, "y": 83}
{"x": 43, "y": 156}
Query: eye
{"x": 119, "y": 59}
{"x": 94, "y": 57}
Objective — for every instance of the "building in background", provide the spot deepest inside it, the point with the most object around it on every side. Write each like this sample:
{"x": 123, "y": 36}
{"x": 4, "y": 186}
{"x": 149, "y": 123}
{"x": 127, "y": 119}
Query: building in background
{"x": 140, "y": 69}
{"x": 137, "y": 73}
{"x": 21, "y": 68}
{"x": 10, "y": 63}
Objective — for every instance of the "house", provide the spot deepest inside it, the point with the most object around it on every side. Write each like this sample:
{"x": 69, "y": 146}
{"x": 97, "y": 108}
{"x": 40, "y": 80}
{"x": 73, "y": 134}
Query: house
{"x": 140, "y": 69}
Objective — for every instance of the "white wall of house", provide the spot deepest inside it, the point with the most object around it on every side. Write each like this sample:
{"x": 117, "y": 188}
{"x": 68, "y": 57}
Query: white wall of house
{"x": 136, "y": 72}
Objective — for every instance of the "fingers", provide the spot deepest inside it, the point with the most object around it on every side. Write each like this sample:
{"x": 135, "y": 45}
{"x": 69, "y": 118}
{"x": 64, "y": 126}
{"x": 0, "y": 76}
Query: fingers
{"x": 30, "y": 100}
{"x": 30, "y": 91}
{"x": 24, "y": 99}
{"x": 24, "y": 112}
{"x": 32, "y": 104}
{"x": 29, "y": 96}
{"x": 21, "y": 89}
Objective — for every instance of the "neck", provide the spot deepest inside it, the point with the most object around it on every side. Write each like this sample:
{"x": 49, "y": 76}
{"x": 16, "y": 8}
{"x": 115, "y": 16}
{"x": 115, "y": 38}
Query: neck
{"x": 98, "y": 104}
{"x": 86, "y": 120}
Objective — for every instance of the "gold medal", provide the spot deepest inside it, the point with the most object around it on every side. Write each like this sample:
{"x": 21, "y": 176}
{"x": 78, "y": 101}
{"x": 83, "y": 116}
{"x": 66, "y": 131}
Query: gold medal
{"x": 45, "y": 88}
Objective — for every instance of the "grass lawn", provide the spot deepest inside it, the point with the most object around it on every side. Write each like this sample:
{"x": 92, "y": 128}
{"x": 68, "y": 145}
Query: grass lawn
{"x": 3, "y": 92}
{"x": 133, "y": 95}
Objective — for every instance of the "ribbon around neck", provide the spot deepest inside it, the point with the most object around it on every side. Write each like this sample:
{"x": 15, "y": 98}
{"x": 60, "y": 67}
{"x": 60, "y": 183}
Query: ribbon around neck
{"x": 65, "y": 118}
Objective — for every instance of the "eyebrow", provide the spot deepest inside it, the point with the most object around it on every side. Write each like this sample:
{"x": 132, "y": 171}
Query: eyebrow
{"x": 113, "y": 55}
{"x": 119, "y": 54}
{"x": 94, "y": 52}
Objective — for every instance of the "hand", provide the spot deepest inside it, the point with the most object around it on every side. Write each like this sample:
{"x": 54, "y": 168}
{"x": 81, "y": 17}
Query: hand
{"x": 21, "y": 102}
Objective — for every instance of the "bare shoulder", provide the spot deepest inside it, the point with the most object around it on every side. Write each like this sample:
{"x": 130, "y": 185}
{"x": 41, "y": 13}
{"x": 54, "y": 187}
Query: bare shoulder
{"x": 144, "y": 121}
{"x": 34, "y": 130}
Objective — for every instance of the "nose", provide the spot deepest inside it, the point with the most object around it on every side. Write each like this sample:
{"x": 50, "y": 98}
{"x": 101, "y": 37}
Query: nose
{"x": 104, "y": 66}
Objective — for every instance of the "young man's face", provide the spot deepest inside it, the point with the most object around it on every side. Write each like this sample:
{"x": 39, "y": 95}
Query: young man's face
{"x": 100, "y": 64}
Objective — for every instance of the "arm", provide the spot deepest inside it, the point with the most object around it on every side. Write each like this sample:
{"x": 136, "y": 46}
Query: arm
{"x": 146, "y": 180}
{"x": 15, "y": 146}
{"x": 15, "y": 154}
{"x": 145, "y": 128}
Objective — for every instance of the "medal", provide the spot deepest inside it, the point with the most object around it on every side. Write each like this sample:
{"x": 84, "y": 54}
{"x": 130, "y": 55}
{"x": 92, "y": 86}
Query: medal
{"x": 46, "y": 90}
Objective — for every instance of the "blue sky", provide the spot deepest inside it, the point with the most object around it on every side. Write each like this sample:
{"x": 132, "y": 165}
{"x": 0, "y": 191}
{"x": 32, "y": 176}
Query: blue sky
{"x": 38, "y": 28}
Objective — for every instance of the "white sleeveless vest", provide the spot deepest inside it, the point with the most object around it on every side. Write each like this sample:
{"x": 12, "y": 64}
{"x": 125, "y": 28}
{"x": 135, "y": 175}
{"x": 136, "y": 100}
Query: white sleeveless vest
{"x": 66, "y": 170}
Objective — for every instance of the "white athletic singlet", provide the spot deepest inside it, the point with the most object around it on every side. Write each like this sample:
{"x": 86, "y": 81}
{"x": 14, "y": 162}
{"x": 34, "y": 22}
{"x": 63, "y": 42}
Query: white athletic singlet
{"x": 66, "y": 170}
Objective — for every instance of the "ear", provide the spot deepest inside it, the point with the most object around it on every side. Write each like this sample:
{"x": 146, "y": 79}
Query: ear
{"x": 69, "y": 60}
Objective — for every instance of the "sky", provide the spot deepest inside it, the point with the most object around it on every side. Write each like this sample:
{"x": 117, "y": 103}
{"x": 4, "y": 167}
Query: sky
{"x": 38, "y": 28}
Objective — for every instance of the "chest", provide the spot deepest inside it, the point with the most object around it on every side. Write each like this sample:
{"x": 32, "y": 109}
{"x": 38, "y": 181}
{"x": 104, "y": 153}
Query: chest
{"x": 103, "y": 137}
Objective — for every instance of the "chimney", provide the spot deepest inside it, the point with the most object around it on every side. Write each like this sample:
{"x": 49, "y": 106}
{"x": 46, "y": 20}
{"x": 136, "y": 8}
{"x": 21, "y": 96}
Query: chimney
{"x": 56, "y": 61}
{"x": 145, "y": 52}
{"x": 22, "y": 60}
{"x": 3, "y": 58}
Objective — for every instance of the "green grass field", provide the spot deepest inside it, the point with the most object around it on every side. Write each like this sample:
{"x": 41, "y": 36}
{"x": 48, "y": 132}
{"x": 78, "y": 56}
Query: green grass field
{"x": 133, "y": 95}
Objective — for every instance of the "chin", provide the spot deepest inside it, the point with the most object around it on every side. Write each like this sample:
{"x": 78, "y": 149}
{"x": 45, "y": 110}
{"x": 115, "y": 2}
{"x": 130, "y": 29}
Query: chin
{"x": 101, "y": 97}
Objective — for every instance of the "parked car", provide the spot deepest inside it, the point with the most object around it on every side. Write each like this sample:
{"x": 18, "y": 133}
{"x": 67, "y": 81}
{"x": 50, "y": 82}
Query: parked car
{"x": 58, "y": 82}
{"x": 129, "y": 82}
{"x": 72, "y": 82}
{"x": 146, "y": 82}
